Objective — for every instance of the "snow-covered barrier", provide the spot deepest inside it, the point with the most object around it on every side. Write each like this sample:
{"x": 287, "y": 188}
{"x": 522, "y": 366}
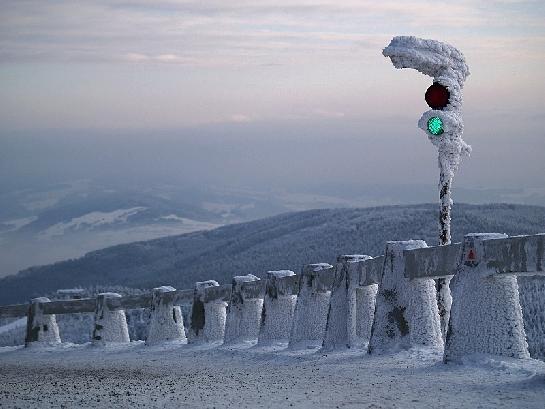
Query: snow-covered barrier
{"x": 208, "y": 312}
{"x": 110, "y": 325}
{"x": 532, "y": 301}
{"x": 341, "y": 317}
{"x": 406, "y": 312}
{"x": 310, "y": 316}
{"x": 166, "y": 321}
{"x": 42, "y": 328}
{"x": 486, "y": 316}
{"x": 244, "y": 309}
{"x": 278, "y": 307}
{"x": 370, "y": 274}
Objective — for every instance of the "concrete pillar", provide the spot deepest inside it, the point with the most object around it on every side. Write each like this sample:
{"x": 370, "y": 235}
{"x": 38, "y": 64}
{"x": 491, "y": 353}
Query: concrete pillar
{"x": 366, "y": 297}
{"x": 486, "y": 315}
{"x": 406, "y": 313}
{"x": 278, "y": 308}
{"x": 207, "y": 318}
{"x": 341, "y": 318}
{"x": 166, "y": 322}
{"x": 42, "y": 328}
{"x": 310, "y": 316}
{"x": 244, "y": 310}
{"x": 110, "y": 326}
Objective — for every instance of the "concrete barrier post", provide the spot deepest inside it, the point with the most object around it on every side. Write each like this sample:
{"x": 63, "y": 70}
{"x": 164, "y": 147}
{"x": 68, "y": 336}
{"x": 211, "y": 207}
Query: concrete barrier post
{"x": 278, "y": 307}
{"x": 207, "y": 317}
{"x": 166, "y": 322}
{"x": 342, "y": 314}
{"x": 486, "y": 315}
{"x": 110, "y": 326}
{"x": 310, "y": 316}
{"x": 42, "y": 329}
{"x": 406, "y": 312}
{"x": 244, "y": 309}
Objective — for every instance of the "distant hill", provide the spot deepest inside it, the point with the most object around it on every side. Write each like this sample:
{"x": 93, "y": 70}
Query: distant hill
{"x": 286, "y": 241}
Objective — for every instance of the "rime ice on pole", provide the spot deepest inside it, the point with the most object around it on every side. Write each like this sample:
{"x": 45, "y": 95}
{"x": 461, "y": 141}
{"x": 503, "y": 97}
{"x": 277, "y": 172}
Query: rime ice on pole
{"x": 42, "y": 329}
{"x": 406, "y": 313}
{"x": 310, "y": 316}
{"x": 448, "y": 68}
{"x": 278, "y": 308}
{"x": 207, "y": 317}
{"x": 244, "y": 310}
{"x": 166, "y": 321}
{"x": 341, "y": 318}
{"x": 110, "y": 326}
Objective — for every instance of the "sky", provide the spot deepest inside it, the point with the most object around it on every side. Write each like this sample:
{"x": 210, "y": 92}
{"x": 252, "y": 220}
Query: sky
{"x": 263, "y": 91}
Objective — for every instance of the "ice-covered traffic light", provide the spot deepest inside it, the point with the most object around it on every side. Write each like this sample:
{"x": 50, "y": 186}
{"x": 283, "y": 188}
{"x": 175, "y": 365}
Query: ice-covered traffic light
{"x": 437, "y": 96}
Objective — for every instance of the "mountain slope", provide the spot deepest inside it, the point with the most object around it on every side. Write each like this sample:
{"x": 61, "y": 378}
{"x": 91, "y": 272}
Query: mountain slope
{"x": 285, "y": 241}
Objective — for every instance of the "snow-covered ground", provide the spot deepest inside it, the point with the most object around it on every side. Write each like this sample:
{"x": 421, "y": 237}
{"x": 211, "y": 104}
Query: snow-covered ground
{"x": 188, "y": 376}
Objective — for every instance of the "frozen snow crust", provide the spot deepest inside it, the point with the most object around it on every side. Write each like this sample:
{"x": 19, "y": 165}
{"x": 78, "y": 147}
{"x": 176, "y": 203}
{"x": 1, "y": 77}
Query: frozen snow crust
{"x": 406, "y": 313}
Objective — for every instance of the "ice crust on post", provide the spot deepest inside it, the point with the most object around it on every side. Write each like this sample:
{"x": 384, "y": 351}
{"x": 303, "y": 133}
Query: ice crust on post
{"x": 486, "y": 315}
{"x": 532, "y": 301}
{"x": 42, "y": 329}
{"x": 278, "y": 308}
{"x": 447, "y": 66}
{"x": 207, "y": 318}
{"x": 310, "y": 316}
{"x": 243, "y": 312}
{"x": 406, "y": 313}
{"x": 166, "y": 322}
{"x": 341, "y": 318}
{"x": 110, "y": 326}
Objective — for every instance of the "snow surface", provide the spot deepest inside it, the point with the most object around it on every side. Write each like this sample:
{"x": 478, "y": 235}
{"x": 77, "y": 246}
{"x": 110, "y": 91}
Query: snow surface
{"x": 135, "y": 376}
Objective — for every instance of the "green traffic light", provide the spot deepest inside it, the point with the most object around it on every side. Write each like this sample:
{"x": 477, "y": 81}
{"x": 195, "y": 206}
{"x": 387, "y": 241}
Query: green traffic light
{"x": 435, "y": 125}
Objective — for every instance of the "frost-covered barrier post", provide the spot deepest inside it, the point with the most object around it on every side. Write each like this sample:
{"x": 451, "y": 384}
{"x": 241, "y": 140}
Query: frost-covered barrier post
{"x": 406, "y": 313}
{"x": 486, "y": 312}
{"x": 166, "y": 322}
{"x": 443, "y": 124}
{"x": 370, "y": 275}
{"x": 110, "y": 325}
{"x": 208, "y": 313}
{"x": 244, "y": 309}
{"x": 341, "y": 317}
{"x": 310, "y": 316}
{"x": 42, "y": 328}
{"x": 278, "y": 307}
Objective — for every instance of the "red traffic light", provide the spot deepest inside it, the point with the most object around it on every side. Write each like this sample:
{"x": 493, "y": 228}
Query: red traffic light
{"x": 437, "y": 96}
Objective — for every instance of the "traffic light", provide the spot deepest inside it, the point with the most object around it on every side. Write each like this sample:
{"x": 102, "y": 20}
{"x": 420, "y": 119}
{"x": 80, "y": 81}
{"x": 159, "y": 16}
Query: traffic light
{"x": 437, "y": 96}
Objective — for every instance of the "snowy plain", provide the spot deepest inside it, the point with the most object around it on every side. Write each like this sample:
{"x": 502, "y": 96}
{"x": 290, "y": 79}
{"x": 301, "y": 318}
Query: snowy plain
{"x": 247, "y": 376}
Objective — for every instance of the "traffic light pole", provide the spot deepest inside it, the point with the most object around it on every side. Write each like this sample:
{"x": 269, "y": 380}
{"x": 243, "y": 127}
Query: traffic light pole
{"x": 443, "y": 125}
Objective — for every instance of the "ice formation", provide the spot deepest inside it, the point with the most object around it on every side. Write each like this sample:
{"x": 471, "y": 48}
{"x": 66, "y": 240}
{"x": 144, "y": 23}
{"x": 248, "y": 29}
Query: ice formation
{"x": 486, "y": 316}
{"x": 447, "y": 66}
{"x": 166, "y": 322}
{"x": 207, "y": 318}
{"x": 42, "y": 328}
{"x": 244, "y": 310}
{"x": 341, "y": 318}
{"x": 406, "y": 313}
{"x": 110, "y": 326}
{"x": 278, "y": 308}
{"x": 310, "y": 316}
{"x": 532, "y": 301}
